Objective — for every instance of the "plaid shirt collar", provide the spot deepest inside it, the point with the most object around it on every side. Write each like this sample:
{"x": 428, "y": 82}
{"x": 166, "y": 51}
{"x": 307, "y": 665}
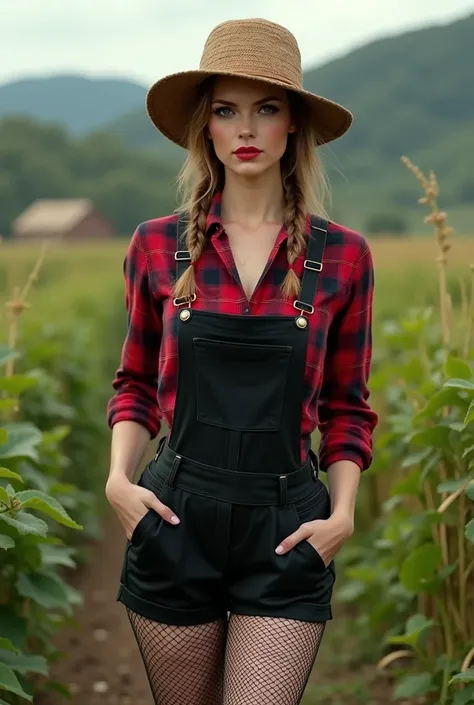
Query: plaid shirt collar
{"x": 215, "y": 228}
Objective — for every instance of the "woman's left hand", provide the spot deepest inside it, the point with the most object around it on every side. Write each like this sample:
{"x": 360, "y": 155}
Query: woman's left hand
{"x": 325, "y": 535}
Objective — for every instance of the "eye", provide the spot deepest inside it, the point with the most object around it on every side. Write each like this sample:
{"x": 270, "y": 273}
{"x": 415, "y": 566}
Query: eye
{"x": 218, "y": 111}
{"x": 269, "y": 109}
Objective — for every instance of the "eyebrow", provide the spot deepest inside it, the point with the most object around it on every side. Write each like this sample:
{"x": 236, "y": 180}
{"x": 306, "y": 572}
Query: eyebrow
{"x": 257, "y": 102}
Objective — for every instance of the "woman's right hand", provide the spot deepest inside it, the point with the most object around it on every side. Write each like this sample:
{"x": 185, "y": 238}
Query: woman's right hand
{"x": 131, "y": 502}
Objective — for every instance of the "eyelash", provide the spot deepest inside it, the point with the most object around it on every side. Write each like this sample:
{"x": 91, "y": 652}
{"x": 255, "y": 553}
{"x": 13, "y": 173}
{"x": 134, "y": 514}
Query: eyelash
{"x": 274, "y": 109}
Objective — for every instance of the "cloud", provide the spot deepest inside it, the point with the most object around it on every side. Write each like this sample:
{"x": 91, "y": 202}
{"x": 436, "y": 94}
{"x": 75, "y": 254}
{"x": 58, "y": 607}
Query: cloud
{"x": 145, "y": 39}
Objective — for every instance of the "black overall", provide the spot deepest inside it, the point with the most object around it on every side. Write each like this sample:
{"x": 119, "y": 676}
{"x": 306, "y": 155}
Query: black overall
{"x": 231, "y": 471}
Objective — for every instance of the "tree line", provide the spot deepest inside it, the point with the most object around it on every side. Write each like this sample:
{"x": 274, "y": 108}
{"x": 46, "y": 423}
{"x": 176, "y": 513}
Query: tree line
{"x": 129, "y": 185}
{"x": 41, "y": 160}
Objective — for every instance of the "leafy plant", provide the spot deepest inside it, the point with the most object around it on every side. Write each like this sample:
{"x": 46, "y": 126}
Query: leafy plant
{"x": 34, "y": 598}
{"x": 413, "y": 574}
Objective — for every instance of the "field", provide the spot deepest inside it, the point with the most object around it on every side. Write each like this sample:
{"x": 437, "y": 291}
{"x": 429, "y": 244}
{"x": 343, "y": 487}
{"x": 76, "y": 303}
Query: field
{"x": 405, "y": 272}
{"x": 73, "y": 284}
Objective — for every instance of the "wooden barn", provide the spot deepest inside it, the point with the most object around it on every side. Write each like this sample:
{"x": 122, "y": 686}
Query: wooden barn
{"x": 61, "y": 220}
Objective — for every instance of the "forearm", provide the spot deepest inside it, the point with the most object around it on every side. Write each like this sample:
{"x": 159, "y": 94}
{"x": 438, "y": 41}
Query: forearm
{"x": 133, "y": 413}
{"x": 343, "y": 483}
{"x": 129, "y": 443}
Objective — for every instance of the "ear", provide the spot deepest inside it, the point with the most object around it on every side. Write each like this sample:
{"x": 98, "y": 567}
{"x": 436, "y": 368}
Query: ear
{"x": 292, "y": 128}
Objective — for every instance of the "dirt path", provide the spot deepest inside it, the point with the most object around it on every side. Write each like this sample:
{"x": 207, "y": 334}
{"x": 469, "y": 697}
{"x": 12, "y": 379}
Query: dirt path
{"x": 102, "y": 665}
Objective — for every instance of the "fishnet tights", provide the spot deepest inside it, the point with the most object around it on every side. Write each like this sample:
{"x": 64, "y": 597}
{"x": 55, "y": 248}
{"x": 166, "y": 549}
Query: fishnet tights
{"x": 184, "y": 665}
{"x": 245, "y": 661}
{"x": 269, "y": 660}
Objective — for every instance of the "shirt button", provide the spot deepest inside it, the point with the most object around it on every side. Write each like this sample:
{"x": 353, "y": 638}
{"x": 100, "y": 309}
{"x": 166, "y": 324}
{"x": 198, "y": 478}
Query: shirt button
{"x": 247, "y": 310}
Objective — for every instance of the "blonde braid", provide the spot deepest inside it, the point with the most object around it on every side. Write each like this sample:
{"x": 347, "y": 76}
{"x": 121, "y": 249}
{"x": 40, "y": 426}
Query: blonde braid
{"x": 195, "y": 236}
{"x": 295, "y": 222}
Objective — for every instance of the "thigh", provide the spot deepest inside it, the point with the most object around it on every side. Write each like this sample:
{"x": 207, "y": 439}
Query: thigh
{"x": 268, "y": 661}
{"x": 184, "y": 664}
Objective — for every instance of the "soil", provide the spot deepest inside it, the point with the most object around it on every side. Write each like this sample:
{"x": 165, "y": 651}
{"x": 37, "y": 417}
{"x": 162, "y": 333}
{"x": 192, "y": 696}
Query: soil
{"x": 102, "y": 663}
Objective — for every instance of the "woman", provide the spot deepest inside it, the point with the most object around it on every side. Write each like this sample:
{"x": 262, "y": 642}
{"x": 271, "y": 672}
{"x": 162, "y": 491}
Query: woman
{"x": 249, "y": 325}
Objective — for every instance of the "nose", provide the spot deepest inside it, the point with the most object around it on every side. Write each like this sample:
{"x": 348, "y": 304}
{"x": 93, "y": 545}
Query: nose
{"x": 246, "y": 133}
{"x": 246, "y": 129}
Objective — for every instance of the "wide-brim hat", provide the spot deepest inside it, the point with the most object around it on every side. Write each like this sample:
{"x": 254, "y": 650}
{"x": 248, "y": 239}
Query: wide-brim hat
{"x": 249, "y": 48}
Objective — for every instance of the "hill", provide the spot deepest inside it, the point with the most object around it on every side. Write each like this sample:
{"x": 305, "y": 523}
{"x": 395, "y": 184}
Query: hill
{"x": 409, "y": 95}
{"x": 78, "y": 103}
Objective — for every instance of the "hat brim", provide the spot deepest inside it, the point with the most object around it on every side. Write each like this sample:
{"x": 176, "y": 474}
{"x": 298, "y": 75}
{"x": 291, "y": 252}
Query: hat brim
{"x": 171, "y": 100}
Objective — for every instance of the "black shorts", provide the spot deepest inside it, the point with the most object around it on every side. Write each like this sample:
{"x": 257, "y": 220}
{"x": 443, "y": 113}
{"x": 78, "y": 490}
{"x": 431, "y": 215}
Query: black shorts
{"x": 221, "y": 557}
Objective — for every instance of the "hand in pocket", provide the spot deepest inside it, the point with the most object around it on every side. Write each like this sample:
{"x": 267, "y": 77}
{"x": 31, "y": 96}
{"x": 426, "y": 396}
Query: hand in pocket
{"x": 132, "y": 502}
{"x": 326, "y": 536}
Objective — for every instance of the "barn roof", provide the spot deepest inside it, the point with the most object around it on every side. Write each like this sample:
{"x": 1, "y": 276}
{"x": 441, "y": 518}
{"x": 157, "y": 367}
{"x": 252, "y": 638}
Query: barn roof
{"x": 52, "y": 216}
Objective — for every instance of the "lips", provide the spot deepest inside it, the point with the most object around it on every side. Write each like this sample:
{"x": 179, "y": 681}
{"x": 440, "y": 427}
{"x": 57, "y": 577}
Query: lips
{"x": 247, "y": 150}
{"x": 247, "y": 153}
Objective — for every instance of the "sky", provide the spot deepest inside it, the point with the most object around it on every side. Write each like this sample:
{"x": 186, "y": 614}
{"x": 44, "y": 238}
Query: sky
{"x": 144, "y": 40}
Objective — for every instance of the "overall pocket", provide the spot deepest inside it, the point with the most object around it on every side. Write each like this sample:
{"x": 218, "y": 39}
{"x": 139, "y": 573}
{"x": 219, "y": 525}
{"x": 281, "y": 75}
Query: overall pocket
{"x": 140, "y": 529}
{"x": 240, "y": 386}
{"x": 316, "y": 505}
{"x": 151, "y": 516}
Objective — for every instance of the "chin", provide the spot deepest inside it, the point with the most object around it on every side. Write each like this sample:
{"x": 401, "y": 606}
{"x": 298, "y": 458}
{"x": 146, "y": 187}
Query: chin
{"x": 249, "y": 168}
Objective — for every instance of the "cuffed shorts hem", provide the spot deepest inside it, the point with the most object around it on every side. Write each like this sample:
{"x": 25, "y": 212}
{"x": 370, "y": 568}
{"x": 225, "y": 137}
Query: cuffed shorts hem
{"x": 167, "y": 615}
{"x": 304, "y": 612}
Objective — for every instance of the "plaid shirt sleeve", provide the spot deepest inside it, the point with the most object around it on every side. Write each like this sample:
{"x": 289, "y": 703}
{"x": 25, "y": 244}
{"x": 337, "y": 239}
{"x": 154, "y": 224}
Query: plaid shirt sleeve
{"x": 346, "y": 421}
{"x": 135, "y": 381}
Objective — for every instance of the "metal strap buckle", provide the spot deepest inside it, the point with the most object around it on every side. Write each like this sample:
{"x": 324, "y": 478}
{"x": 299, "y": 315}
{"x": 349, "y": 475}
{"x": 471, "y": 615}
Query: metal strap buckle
{"x": 182, "y": 255}
{"x": 314, "y": 266}
{"x": 184, "y": 300}
{"x": 301, "y": 306}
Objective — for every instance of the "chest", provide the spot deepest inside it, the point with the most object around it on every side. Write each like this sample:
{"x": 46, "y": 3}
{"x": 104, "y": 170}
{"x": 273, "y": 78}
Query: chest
{"x": 251, "y": 253}
{"x": 219, "y": 290}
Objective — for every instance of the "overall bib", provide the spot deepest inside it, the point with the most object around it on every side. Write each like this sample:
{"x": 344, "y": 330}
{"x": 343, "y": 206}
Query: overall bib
{"x": 231, "y": 471}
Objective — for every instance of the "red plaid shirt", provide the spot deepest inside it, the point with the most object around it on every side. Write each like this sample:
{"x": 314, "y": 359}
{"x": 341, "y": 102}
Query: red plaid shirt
{"x": 340, "y": 331}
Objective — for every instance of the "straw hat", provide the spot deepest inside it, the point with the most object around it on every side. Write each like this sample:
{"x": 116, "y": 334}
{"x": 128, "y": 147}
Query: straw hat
{"x": 249, "y": 48}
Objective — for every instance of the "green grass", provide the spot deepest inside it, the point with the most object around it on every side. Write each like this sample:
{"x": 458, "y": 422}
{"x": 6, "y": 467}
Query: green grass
{"x": 405, "y": 272}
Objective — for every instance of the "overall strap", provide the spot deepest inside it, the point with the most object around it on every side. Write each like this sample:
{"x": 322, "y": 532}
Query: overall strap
{"x": 313, "y": 264}
{"x": 181, "y": 255}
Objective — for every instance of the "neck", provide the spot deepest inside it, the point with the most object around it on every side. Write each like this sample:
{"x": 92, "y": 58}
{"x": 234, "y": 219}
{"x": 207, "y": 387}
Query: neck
{"x": 253, "y": 202}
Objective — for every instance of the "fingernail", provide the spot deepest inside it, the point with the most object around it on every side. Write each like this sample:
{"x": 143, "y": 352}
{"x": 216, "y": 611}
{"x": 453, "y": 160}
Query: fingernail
{"x": 175, "y": 519}
{"x": 279, "y": 549}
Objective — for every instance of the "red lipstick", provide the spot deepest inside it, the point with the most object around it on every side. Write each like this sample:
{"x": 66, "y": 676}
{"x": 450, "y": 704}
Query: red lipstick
{"x": 246, "y": 153}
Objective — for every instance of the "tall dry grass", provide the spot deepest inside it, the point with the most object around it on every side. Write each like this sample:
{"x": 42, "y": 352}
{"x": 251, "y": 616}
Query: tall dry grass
{"x": 453, "y": 608}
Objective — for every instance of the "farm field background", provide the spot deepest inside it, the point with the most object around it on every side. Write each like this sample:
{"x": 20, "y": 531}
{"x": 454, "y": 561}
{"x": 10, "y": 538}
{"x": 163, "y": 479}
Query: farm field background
{"x": 83, "y": 275}
{"x": 80, "y": 288}
{"x": 79, "y": 158}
